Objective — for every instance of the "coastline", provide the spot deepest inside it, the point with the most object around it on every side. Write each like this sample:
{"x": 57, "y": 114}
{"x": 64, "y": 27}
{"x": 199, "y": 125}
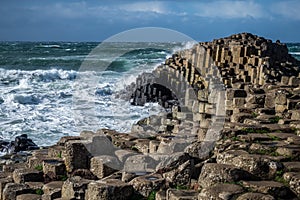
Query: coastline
{"x": 233, "y": 129}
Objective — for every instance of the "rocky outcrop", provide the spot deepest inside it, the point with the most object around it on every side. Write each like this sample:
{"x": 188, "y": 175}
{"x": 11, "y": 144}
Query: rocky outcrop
{"x": 230, "y": 131}
{"x": 21, "y": 143}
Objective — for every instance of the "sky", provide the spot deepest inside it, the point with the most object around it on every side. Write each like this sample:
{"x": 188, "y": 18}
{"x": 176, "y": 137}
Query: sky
{"x": 202, "y": 20}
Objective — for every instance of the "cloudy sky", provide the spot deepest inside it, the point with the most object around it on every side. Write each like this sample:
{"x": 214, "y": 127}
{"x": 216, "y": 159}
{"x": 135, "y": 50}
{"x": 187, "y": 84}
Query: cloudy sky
{"x": 202, "y": 20}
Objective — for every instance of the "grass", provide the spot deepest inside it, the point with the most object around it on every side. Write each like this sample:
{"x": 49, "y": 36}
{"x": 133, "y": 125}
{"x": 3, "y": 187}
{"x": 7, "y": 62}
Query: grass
{"x": 274, "y": 120}
{"x": 39, "y": 167}
{"x": 256, "y": 130}
{"x": 152, "y": 195}
{"x": 59, "y": 155}
{"x": 236, "y": 183}
{"x": 235, "y": 138}
{"x": 62, "y": 177}
{"x": 134, "y": 148}
{"x": 271, "y": 152}
{"x": 294, "y": 130}
{"x": 254, "y": 114}
{"x": 274, "y": 153}
{"x": 39, "y": 191}
{"x": 261, "y": 152}
{"x": 279, "y": 177}
{"x": 181, "y": 187}
{"x": 274, "y": 138}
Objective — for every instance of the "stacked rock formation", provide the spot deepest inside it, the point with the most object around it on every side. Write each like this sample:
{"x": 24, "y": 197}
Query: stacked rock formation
{"x": 231, "y": 131}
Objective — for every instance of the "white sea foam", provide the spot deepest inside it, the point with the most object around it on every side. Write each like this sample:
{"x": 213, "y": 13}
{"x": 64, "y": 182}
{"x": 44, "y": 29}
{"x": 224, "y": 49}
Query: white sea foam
{"x": 49, "y": 104}
{"x": 295, "y": 53}
{"x": 184, "y": 45}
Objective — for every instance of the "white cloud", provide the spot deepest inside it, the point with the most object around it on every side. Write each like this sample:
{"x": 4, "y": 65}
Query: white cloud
{"x": 155, "y": 7}
{"x": 287, "y": 9}
{"x": 72, "y": 10}
{"x": 120, "y": 11}
{"x": 230, "y": 9}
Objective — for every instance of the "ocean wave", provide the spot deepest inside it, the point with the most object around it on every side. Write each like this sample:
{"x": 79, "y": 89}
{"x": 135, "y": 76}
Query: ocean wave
{"x": 54, "y": 74}
{"x": 50, "y": 46}
{"x": 23, "y": 76}
{"x": 295, "y": 53}
{"x": 43, "y": 102}
{"x": 27, "y": 99}
{"x": 183, "y": 46}
{"x": 64, "y": 58}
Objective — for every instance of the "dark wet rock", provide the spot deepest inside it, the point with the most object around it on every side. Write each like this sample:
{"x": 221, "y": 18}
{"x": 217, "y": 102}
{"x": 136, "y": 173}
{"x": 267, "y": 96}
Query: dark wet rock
{"x": 21, "y": 143}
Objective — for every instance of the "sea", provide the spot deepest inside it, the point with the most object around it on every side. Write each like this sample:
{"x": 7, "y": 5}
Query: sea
{"x": 41, "y": 94}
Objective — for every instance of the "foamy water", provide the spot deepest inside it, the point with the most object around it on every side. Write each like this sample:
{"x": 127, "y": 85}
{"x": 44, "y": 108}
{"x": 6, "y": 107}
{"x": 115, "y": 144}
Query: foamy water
{"x": 38, "y": 83}
{"x": 40, "y": 94}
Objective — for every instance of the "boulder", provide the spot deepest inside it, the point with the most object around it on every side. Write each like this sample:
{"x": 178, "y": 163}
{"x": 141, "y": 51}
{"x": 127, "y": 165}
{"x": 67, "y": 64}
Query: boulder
{"x": 52, "y": 190}
{"x": 213, "y": 173}
{"x": 255, "y": 196}
{"x": 24, "y": 175}
{"x": 293, "y": 179}
{"x": 109, "y": 190}
{"x": 260, "y": 165}
{"x": 161, "y": 195}
{"x": 54, "y": 168}
{"x": 65, "y": 139}
{"x": 103, "y": 166}
{"x": 84, "y": 173}
{"x": 11, "y": 190}
{"x": 55, "y": 151}
{"x": 29, "y": 197}
{"x": 144, "y": 185}
{"x": 76, "y": 155}
{"x": 181, "y": 175}
{"x": 75, "y": 188}
{"x": 173, "y": 194}
{"x": 21, "y": 143}
{"x": 140, "y": 163}
{"x": 220, "y": 192}
{"x": 98, "y": 143}
{"x": 3, "y": 182}
{"x": 276, "y": 189}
